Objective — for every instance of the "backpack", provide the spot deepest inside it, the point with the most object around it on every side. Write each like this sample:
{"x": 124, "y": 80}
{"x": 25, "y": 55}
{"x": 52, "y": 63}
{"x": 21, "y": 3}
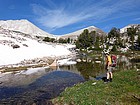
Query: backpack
{"x": 114, "y": 60}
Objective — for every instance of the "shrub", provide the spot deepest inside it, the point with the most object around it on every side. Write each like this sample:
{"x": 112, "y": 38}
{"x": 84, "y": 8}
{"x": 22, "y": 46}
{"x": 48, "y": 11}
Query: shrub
{"x": 15, "y": 46}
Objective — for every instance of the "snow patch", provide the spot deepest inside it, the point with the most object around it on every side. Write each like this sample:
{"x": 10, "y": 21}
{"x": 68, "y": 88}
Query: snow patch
{"x": 32, "y": 50}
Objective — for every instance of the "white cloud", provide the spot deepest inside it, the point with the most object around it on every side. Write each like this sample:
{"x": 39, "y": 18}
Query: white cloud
{"x": 60, "y": 15}
{"x": 59, "y": 18}
{"x": 136, "y": 19}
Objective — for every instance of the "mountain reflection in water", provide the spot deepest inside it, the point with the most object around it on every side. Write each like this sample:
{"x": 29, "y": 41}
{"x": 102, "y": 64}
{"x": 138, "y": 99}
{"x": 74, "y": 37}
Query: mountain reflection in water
{"x": 30, "y": 87}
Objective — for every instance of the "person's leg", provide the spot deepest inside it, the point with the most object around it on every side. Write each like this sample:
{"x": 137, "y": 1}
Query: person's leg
{"x": 111, "y": 76}
{"x": 107, "y": 77}
{"x": 108, "y": 74}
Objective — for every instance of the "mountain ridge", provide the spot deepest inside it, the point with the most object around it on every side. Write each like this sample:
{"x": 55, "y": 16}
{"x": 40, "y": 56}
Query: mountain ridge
{"x": 75, "y": 34}
{"x": 24, "y": 26}
{"x": 27, "y": 27}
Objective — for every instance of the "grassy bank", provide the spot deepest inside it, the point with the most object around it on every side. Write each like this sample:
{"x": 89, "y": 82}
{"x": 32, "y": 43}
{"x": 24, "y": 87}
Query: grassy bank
{"x": 124, "y": 90}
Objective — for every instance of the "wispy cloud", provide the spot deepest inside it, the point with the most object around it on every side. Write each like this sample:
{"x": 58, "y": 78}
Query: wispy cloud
{"x": 136, "y": 19}
{"x": 68, "y": 12}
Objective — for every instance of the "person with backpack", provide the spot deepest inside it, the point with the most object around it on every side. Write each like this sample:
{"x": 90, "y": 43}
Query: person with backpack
{"x": 108, "y": 67}
{"x": 114, "y": 60}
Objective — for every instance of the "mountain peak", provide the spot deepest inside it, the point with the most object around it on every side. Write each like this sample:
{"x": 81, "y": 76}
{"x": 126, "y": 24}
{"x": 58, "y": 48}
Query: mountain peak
{"x": 75, "y": 34}
{"x": 24, "y": 26}
{"x": 91, "y": 27}
{"x": 13, "y": 21}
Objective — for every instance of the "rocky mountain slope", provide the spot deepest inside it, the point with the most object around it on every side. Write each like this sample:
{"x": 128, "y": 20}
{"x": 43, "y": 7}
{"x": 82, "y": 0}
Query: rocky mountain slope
{"x": 126, "y": 40}
{"x": 24, "y": 26}
{"x": 74, "y": 35}
{"x": 124, "y": 29}
{"x": 27, "y": 27}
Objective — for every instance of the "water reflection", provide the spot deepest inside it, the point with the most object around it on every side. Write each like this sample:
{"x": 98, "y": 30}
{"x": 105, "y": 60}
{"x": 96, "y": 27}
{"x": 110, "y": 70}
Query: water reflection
{"x": 94, "y": 66}
{"x": 88, "y": 69}
{"x": 33, "y": 87}
{"x": 22, "y": 78}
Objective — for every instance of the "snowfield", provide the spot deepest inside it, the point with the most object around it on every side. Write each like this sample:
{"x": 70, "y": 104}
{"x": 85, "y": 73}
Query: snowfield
{"x": 29, "y": 48}
{"x": 9, "y": 55}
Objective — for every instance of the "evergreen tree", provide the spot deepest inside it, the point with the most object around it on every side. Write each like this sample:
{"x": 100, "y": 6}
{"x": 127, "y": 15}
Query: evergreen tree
{"x": 46, "y": 39}
{"x": 52, "y": 39}
{"x": 102, "y": 39}
{"x": 62, "y": 40}
{"x": 131, "y": 32}
{"x": 114, "y": 49}
{"x": 115, "y": 33}
{"x": 86, "y": 40}
{"x": 68, "y": 40}
{"x": 83, "y": 40}
{"x": 92, "y": 37}
{"x": 138, "y": 40}
{"x": 97, "y": 43}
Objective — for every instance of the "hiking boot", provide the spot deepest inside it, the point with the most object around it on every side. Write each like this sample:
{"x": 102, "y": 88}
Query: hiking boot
{"x": 110, "y": 79}
{"x": 106, "y": 81}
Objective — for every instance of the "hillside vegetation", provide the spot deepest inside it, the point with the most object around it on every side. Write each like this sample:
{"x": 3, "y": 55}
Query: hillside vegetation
{"x": 124, "y": 90}
{"x": 116, "y": 40}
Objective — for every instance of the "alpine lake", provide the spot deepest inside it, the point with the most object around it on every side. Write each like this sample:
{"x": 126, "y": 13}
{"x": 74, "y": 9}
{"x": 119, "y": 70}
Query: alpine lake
{"x": 37, "y": 86}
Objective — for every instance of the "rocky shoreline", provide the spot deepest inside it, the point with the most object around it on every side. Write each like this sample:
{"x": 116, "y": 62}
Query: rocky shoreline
{"x": 36, "y": 62}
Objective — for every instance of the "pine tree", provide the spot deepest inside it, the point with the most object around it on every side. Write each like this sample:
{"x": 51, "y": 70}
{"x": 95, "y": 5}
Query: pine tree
{"x": 115, "y": 33}
{"x": 68, "y": 40}
{"x": 97, "y": 43}
{"x": 82, "y": 41}
{"x": 114, "y": 49}
{"x": 138, "y": 40}
{"x": 131, "y": 32}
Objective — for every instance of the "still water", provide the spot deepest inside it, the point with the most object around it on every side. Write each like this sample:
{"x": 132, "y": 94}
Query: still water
{"x": 39, "y": 85}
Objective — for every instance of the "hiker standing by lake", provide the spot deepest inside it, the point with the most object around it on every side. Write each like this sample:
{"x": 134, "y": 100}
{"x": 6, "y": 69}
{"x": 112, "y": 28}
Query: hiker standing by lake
{"x": 108, "y": 67}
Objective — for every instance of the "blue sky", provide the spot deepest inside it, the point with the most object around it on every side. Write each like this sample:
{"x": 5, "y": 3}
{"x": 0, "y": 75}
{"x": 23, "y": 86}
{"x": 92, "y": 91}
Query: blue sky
{"x": 65, "y": 16}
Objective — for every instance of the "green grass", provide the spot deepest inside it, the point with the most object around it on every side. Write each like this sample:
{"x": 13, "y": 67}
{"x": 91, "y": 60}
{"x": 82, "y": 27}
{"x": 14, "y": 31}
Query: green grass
{"x": 124, "y": 90}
